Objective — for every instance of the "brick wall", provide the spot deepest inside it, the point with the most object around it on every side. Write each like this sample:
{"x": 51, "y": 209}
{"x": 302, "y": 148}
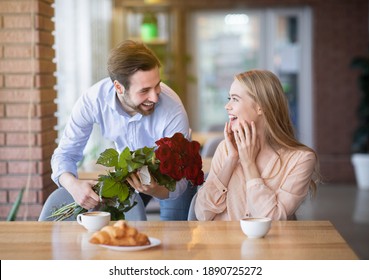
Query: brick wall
{"x": 340, "y": 33}
{"x": 27, "y": 135}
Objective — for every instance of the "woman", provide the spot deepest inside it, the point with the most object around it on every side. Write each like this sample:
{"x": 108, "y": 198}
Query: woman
{"x": 260, "y": 169}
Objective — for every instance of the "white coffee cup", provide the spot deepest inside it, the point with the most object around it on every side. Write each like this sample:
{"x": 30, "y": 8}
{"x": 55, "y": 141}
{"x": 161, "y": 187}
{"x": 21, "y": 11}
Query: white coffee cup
{"x": 255, "y": 227}
{"x": 94, "y": 221}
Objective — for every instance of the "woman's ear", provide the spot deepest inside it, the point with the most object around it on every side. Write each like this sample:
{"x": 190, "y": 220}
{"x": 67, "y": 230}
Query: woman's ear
{"x": 259, "y": 110}
{"x": 118, "y": 87}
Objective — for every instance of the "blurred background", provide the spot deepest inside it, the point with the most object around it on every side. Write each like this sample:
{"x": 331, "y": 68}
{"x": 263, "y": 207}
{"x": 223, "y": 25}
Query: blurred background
{"x": 51, "y": 51}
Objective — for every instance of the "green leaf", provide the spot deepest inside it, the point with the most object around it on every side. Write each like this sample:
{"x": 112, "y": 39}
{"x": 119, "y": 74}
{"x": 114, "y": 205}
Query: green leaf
{"x": 108, "y": 158}
{"x": 124, "y": 156}
{"x": 13, "y": 212}
{"x": 133, "y": 166}
{"x": 120, "y": 174}
{"x": 108, "y": 187}
{"x": 146, "y": 152}
{"x": 115, "y": 214}
{"x": 166, "y": 181}
{"x": 124, "y": 192}
{"x": 112, "y": 188}
{"x": 139, "y": 159}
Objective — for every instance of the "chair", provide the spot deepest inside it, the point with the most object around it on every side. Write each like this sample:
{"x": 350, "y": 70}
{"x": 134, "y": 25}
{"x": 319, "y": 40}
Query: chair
{"x": 210, "y": 146}
{"x": 57, "y": 198}
{"x": 191, "y": 211}
{"x": 62, "y": 197}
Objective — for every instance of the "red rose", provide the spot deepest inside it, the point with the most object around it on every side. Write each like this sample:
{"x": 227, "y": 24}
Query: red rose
{"x": 200, "y": 179}
{"x": 194, "y": 174}
{"x": 163, "y": 153}
{"x": 191, "y": 172}
{"x": 197, "y": 160}
{"x": 179, "y": 143}
{"x": 165, "y": 167}
{"x": 177, "y": 159}
{"x": 193, "y": 148}
{"x": 165, "y": 141}
{"x": 176, "y": 173}
{"x": 180, "y": 158}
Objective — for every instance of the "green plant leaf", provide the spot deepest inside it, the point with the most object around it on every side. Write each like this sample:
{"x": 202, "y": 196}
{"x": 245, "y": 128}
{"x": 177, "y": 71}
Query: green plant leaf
{"x": 166, "y": 181}
{"x": 123, "y": 193}
{"x": 115, "y": 214}
{"x": 111, "y": 188}
{"x": 124, "y": 156}
{"x": 120, "y": 174}
{"x": 133, "y": 166}
{"x": 13, "y": 212}
{"x": 108, "y": 158}
{"x": 108, "y": 187}
{"x": 139, "y": 159}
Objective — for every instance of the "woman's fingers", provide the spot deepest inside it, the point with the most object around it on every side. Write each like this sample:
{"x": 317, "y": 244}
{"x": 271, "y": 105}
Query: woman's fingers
{"x": 253, "y": 133}
{"x": 246, "y": 130}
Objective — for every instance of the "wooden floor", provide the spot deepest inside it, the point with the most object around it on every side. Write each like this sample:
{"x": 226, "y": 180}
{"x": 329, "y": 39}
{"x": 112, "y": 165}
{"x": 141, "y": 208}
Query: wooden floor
{"x": 344, "y": 205}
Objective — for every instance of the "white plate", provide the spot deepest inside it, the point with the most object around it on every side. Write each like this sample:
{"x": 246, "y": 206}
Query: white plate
{"x": 153, "y": 242}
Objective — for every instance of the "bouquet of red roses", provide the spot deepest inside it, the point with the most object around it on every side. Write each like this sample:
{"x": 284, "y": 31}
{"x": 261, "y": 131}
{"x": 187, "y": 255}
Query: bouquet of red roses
{"x": 178, "y": 158}
{"x": 173, "y": 159}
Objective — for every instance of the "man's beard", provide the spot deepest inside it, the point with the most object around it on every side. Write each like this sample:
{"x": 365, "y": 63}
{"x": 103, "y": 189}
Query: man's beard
{"x": 128, "y": 102}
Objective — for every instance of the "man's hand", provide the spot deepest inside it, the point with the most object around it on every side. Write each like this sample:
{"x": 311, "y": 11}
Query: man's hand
{"x": 81, "y": 190}
{"x": 153, "y": 189}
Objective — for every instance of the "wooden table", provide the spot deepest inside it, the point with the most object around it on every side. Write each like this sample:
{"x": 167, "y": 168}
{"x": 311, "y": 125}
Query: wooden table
{"x": 180, "y": 240}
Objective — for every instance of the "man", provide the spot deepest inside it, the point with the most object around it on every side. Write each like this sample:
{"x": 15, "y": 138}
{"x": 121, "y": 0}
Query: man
{"x": 133, "y": 109}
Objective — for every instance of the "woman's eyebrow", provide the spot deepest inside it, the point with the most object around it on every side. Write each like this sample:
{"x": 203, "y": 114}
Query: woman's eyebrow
{"x": 234, "y": 95}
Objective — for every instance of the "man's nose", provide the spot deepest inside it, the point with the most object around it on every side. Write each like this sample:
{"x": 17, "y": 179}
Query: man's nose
{"x": 154, "y": 96}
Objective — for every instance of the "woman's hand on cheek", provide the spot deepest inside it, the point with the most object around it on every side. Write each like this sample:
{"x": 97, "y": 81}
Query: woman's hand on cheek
{"x": 230, "y": 141}
{"x": 247, "y": 142}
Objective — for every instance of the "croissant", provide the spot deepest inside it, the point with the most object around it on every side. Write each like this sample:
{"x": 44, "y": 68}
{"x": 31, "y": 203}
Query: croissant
{"x": 119, "y": 234}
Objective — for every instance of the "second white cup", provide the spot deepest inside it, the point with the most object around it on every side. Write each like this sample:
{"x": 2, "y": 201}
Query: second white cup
{"x": 256, "y": 227}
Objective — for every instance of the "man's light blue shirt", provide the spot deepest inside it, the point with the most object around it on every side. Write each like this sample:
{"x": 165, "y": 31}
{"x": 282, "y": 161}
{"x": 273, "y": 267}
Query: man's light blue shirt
{"x": 100, "y": 105}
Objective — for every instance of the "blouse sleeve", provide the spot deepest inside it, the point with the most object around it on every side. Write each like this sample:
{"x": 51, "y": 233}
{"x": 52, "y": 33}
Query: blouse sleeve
{"x": 281, "y": 202}
{"x": 211, "y": 197}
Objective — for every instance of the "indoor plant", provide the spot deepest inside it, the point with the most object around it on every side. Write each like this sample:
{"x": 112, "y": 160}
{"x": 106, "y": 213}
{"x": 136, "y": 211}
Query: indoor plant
{"x": 360, "y": 144}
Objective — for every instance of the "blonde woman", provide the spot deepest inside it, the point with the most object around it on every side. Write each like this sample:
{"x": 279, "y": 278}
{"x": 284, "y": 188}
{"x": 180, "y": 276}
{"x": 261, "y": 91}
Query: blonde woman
{"x": 260, "y": 169}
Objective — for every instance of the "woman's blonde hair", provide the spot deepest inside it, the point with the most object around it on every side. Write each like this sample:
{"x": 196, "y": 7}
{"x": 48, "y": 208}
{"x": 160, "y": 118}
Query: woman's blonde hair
{"x": 266, "y": 90}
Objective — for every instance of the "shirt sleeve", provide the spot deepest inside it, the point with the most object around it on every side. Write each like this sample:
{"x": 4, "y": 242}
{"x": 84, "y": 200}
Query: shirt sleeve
{"x": 177, "y": 119}
{"x": 74, "y": 139}
{"x": 211, "y": 197}
{"x": 177, "y": 122}
{"x": 282, "y": 202}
